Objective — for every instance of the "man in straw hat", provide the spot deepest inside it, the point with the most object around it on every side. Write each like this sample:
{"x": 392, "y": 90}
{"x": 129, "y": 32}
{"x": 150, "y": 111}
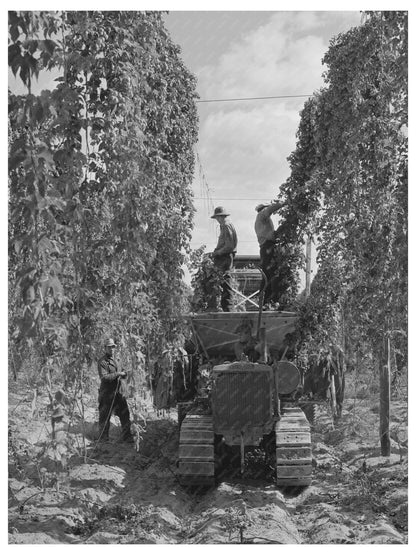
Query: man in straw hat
{"x": 224, "y": 253}
{"x": 111, "y": 398}
{"x": 266, "y": 237}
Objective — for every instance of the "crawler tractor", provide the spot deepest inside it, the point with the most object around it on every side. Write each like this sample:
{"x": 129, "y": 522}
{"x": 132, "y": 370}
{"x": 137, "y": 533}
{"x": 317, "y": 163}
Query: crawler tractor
{"x": 249, "y": 403}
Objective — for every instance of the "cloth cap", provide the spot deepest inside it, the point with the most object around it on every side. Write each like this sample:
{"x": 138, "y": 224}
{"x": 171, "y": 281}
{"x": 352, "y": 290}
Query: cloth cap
{"x": 110, "y": 343}
{"x": 220, "y": 211}
{"x": 260, "y": 207}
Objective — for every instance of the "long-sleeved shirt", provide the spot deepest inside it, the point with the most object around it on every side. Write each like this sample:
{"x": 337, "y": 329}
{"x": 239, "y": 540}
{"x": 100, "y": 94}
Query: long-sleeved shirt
{"x": 108, "y": 371}
{"x": 263, "y": 225}
{"x": 227, "y": 241}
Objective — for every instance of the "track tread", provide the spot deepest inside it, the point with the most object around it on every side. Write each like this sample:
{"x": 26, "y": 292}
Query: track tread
{"x": 293, "y": 449}
{"x": 196, "y": 451}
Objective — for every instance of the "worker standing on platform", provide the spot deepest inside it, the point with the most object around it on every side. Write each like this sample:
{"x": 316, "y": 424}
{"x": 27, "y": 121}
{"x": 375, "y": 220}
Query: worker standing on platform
{"x": 266, "y": 236}
{"x": 224, "y": 253}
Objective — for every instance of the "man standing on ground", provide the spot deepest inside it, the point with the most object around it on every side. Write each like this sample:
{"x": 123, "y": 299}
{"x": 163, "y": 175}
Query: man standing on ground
{"x": 266, "y": 237}
{"x": 111, "y": 398}
{"x": 224, "y": 253}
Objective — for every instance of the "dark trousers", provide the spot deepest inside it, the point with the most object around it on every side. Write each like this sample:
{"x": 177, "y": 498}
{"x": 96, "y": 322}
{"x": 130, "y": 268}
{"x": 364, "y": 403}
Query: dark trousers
{"x": 113, "y": 402}
{"x": 224, "y": 262}
{"x": 266, "y": 256}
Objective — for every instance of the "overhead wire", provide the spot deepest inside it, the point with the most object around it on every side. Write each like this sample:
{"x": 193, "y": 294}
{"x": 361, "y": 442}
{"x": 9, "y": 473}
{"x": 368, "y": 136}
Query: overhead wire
{"x": 197, "y": 242}
{"x": 253, "y": 98}
{"x": 229, "y": 198}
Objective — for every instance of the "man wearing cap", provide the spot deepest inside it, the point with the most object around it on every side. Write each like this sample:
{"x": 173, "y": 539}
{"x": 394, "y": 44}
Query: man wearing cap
{"x": 111, "y": 398}
{"x": 266, "y": 237}
{"x": 224, "y": 253}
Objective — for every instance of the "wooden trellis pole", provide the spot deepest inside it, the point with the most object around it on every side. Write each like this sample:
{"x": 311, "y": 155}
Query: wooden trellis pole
{"x": 308, "y": 265}
{"x": 385, "y": 400}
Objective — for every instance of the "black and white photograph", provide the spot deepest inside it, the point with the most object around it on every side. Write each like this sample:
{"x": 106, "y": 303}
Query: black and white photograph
{"x": 207, "y": 274}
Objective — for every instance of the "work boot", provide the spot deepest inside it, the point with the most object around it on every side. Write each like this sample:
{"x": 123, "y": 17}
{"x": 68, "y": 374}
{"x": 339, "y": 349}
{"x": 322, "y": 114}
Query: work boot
{"x": 126, "y": 435}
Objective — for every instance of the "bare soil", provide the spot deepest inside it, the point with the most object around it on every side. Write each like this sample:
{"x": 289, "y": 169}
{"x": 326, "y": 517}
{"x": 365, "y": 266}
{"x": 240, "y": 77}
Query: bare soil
{"x": 74, "y": 490}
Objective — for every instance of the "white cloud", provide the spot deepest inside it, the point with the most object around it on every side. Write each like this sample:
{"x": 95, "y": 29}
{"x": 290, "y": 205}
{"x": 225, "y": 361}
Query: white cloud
{"x": 246, "y": 148}
{"x": 281, "y": 57}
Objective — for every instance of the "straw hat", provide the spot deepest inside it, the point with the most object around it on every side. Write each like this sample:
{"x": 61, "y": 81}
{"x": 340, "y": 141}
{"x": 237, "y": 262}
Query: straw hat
{"x": 220, "y": 211}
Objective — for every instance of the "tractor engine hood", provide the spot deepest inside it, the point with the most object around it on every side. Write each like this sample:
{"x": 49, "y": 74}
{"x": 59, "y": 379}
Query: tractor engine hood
{"x": 242, "y": 401}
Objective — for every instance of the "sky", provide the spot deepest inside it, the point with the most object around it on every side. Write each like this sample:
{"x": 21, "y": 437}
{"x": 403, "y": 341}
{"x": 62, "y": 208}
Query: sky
{"x": 243, "y": 146}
